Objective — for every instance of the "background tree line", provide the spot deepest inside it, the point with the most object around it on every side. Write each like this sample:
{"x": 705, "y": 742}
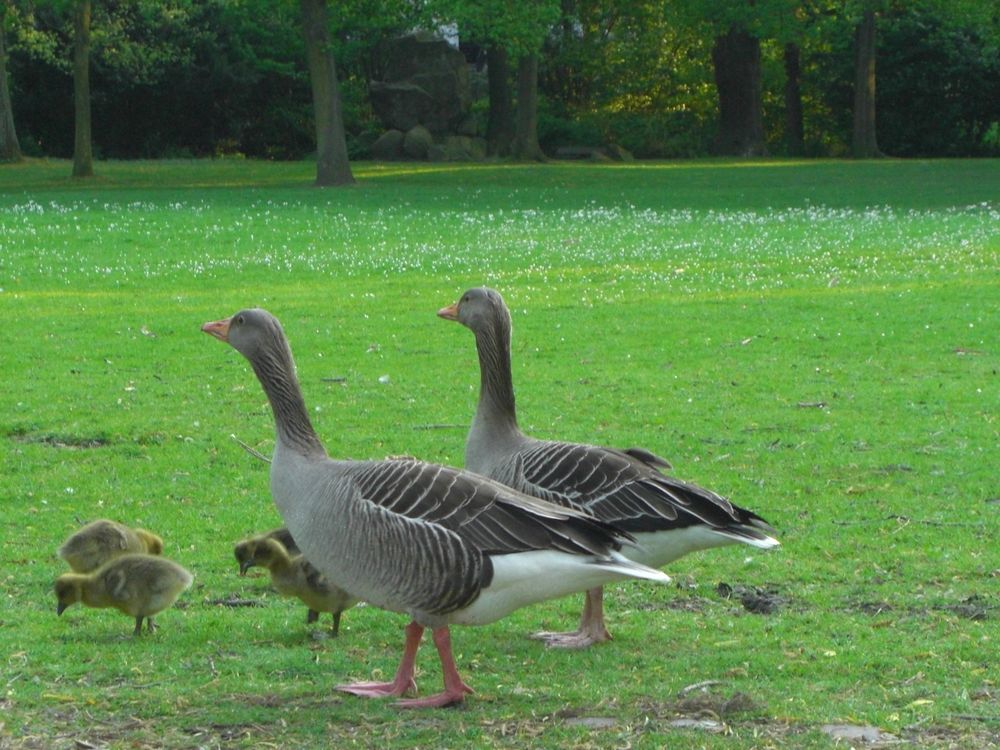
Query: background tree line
{"x": 672, "y": 78}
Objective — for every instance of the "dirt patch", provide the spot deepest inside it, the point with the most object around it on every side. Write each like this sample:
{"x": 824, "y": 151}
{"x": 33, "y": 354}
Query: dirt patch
{"x": 755, "y": 599}
{"x": 975, "y": 607}
{"x": 75, "y": 442}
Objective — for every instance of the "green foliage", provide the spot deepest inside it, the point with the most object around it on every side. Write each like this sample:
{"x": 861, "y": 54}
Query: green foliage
{"x": 949, "y": 108}
{"x": 815, "y": 340}
{"x": 518, "y": 27}
{"x": 213, "y": 77}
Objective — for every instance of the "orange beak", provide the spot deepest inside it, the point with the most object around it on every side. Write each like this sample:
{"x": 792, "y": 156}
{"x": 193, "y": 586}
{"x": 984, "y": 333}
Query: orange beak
{"x": 449, "y": 313}
{"x": 218, "y": 328}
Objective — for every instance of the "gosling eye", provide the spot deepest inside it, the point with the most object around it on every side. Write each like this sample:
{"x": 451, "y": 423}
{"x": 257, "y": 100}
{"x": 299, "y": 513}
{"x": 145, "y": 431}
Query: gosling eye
{"x": 240, "y": 320}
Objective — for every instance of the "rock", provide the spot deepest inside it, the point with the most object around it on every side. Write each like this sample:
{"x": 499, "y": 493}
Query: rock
{"x": 575, "y": 152}
{"x": 417, "y": 141}
{"x": 388, "y": 146}
{"x": 704, "y": 725}
{"x": 865, "y": 734}
{"x": 400, "y": 106}
{"x": 437, "y": 153}
{"x": 425, "y": 81}
{"x": 618, "y": 153}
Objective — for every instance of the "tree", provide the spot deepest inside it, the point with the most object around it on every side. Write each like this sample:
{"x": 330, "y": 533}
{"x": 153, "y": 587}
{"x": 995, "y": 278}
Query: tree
{"x": 83, "y": 155}
{"x": 939, "y": 81}
{"x": 794, "y": 125}
{"x": 500, "y": 121}
{"x": 332, "y": 164}
{"x": 10, "y": 149}
{"x": 525, "y": 145}
{"x": 864, "y": 144}
{"x": 736, "y": 27}
{"x": 736, "y": 59}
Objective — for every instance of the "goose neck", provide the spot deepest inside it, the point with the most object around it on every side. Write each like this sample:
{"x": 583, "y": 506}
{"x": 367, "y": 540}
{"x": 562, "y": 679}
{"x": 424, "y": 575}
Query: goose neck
{"x": 291, "y": 419}
{"x": 496, "y": 387}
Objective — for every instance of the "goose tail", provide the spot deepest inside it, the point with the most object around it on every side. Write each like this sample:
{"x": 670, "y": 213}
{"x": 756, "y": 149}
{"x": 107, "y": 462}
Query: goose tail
{"x": 620, "y": 564}
{"x": 756, "y": 533}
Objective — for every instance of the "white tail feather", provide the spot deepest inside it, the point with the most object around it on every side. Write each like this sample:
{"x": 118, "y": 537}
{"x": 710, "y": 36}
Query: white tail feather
{"x": 626, "y": 567}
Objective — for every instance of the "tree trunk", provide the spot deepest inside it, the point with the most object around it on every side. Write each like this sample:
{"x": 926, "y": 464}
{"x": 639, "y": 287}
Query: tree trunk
{"x": 83, "y": 155}
{"x": 332, "y": 164}
{"x": 500, "y": 126}
{"x": 863, "y": 143}
{"x": 794, "y": 129}
{"x": 736, "y": 58}
{"x": 526, "y": 134}
{"x": 10, "y": 149}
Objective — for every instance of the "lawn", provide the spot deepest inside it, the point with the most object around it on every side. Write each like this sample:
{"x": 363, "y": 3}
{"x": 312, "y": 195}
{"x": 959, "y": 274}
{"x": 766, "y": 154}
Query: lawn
{"x": 819, "y": 341}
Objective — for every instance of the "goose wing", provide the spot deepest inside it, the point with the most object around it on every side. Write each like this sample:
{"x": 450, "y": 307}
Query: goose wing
{"x": 485, "y": 514}
{"x": 622, "y": 487}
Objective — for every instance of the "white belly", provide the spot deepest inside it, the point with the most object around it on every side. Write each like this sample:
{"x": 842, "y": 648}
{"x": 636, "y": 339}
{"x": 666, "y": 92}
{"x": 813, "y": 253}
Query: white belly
{"x": 657, "y": 548}
{"x": 528, "y": 577}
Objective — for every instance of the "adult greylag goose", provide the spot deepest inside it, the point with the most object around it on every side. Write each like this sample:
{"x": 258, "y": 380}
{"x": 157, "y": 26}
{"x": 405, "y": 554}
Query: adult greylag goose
{"x": 442, "y": 545}
{"x": 136, "y": 584}
{"x": 668, "y": 517}
{"x": 101, "y": 540}
{"x": 294, "y": 576}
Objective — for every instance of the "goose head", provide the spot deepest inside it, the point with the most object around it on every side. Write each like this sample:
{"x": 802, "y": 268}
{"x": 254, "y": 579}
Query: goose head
{"x": 258, "y": 336}
{"x": 154, "y": 544}
{"x": 69, "y": 591}
{"x": 252, "y": 332}
{"x": 481, "y": 310}
{"x": 246, "y": 553}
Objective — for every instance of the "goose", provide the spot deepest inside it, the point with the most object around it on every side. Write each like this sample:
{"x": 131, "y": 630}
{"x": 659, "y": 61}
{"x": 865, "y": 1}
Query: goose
{"x": 668, "y": 517}
{"x": 99, "y": 541}
{"x": 246, "y": 549}
{"x": 441, "y": 545}
{"x": 137, "y": 584}
{"x": 294, "y": 576}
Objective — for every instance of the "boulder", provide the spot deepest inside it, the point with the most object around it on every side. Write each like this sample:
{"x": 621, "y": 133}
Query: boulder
{"x": 388, "y": 146}
{"x": 425, "y": 81}
{"x": 417, "y": 142}
{"x": 618, "y": 153}
{"x": 588, "y": 153}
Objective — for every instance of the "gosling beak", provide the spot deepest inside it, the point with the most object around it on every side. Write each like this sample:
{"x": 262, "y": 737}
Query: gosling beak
{"x": 218, "y": 328}
{"x": 245, "y": 566}
{"x": 449, "y": 313}
{"x": 61, "y": 608}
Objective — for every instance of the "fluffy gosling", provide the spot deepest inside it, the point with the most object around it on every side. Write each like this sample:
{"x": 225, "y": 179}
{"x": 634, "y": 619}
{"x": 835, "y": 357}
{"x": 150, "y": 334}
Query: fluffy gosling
{"x": 136, "y": 584}
{"x": 292, "y": 575}
{"x": 100, "y": 541}
{"x": 246, "y": 549}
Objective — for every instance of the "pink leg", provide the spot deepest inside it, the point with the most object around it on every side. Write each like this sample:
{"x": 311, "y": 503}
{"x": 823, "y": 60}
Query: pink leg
{"x": 454, "y": 688}
{"x": 591, "y": 630}
{"x": 403, "y": 682}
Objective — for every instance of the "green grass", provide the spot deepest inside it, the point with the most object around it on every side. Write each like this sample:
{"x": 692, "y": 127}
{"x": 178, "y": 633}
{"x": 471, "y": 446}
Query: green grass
{"x": 817, "y": 340}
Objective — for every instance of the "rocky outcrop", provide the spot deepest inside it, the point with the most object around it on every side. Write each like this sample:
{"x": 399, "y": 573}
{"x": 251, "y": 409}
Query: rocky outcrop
{"x": 424, "y": 102}
{"x": 425, "y": 82}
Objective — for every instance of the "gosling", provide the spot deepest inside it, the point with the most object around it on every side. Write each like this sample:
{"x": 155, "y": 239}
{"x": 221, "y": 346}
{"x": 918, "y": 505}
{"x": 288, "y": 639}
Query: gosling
{"x": 100, "y": 541}
{"x": 295, "y": 576}
{"x": 246, "y": 549}
{"x": 138, "y": 585}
